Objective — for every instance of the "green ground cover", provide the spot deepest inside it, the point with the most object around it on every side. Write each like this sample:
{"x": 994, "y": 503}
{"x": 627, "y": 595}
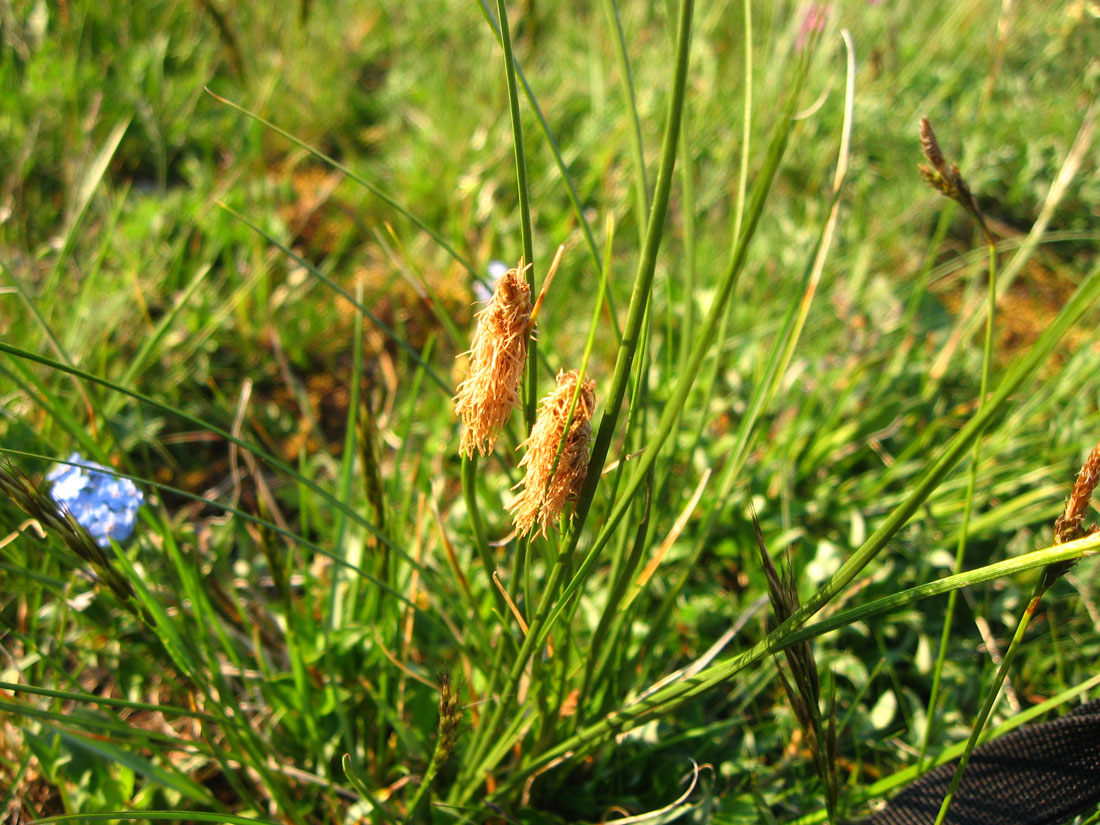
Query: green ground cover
{"x": 239, "y": 245}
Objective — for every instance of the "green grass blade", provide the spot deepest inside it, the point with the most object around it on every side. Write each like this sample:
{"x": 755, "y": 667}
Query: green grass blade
{"x": 156, "y": 816}
{"x": 370, "y": 187}
{"x": 563, "y": 169}
{"x": 638, "y": 304}
{"x": 341, "y": 592}
{"x": 347, "y": 296}
{"x": 149, "y": 344}
{"x": 674, "y": 405}
{"x": 171, "y": 779}
{"x": 267, "y": 525}
{"x": 665, "y": 700}
{"x": 626, "y": 80}
{"x": 527, "y": 242}
{"x": 259, "y": 452}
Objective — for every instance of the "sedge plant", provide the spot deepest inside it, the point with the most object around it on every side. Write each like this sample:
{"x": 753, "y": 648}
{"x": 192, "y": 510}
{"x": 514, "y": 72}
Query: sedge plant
{"x": 371, "y": 581}
{"x": 949, "y": 182}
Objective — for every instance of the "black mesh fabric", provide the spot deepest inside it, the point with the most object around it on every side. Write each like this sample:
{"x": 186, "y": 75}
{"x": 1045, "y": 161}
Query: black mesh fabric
{"x": 1038, "y": 775}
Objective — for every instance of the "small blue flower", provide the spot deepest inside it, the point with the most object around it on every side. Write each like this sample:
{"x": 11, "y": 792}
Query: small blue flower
{"x": 101, "y": 502}
{"x": 483, "y": 292}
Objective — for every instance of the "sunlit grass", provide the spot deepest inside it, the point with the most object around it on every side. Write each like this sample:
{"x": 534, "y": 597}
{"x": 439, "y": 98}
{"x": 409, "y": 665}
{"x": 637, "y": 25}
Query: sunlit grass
{"x": 238, "y": 265}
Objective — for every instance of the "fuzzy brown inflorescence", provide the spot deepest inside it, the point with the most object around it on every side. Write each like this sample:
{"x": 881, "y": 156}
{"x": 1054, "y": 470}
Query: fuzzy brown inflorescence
{"x": 1068, "y": 526}
{"x": 497, "y": 359}
{"x": 546, "y": 488}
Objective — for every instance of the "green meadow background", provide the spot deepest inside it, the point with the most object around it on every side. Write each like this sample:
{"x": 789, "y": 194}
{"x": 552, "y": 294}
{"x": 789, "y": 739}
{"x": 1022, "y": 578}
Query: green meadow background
{"x": 239, "y": 243}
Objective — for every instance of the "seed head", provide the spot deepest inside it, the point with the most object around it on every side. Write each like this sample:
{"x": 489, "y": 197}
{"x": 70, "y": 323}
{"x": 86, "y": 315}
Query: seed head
{"x": 930, "y": 145}
{"x": 1068, "y": 525}
{"x": 946, "y": 178}
{"x": 546, "y": 487}
{"x": 497, "y": 358}
{"x": 450, "y": 715}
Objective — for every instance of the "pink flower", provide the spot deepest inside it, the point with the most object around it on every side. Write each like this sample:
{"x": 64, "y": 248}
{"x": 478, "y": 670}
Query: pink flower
{"x": 812, "y": 22}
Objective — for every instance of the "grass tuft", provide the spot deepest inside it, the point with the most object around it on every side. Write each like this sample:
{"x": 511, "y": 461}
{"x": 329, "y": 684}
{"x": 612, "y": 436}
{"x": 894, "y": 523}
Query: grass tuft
{"x": 359, "y": 589}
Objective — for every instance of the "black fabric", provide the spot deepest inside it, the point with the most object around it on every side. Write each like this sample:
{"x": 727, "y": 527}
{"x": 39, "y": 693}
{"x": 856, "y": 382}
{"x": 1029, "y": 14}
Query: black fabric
{"x": 1038, "y": 775}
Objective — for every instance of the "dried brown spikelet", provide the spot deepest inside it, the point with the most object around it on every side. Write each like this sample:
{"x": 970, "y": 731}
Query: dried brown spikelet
{"x": 1068, "y": 525}
{"x": 930, "y": 145}
{"x": 946, "y": 178}
{"x": 545, "y": 489}
{"x": 497, "y": 358}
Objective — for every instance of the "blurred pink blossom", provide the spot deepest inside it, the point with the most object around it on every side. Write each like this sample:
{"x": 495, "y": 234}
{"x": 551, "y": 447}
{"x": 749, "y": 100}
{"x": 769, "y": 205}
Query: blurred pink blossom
{"x": 813, "y": 21}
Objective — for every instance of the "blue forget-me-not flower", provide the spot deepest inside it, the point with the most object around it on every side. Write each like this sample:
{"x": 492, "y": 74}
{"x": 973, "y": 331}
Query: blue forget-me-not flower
{"x": 483, "y": 292}
{"x": 101, "y": 502}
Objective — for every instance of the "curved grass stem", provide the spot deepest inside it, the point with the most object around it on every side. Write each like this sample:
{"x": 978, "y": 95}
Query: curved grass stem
{"x": 469, "y": 492}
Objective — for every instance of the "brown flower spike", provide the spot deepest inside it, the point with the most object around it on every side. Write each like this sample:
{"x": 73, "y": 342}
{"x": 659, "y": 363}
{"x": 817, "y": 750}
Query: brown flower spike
{"x": 946, "y": 178}
{"x": 497, "y": 358}
{"x": 1068, "y": 526}
{"x": 546, "y": 488}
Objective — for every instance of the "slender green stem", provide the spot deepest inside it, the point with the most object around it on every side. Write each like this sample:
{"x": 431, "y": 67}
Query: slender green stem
{"x": 913, "y": 304}
{"x": 469, "y": 492}
{"x": 746, "y": 125}
{"x": 643, "y": 280}
{"x": 94, "y": 407}
{"x": 971, "y": 484}
{"x": 669, "y": 698}
{"x": 417, "y": 807}
{"x": 638, "y": 303}
{"x": 342, "y": 594}
{"x": 526, "y": 236}
{"x": 570, "y": 186}
{"x": 254, "y": 448}
{"x": 626, "y": 78}
{"x": 991, "y": 697}
{"x": 673, "y": 696}
{"x": 687, "y": 267}
{"x": 673, "y": 407}
{"x": 602, "y": 646}
{"x": 360, "y": 307}
{"x": 339, "y": 167}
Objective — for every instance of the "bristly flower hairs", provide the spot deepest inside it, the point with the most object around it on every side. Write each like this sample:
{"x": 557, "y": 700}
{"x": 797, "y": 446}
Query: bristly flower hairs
{"x": 555, "y": 469}
{"x": 556, "y": 458}
{"x": 1070, "y": 525}
{"x": 498, "y": 355}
